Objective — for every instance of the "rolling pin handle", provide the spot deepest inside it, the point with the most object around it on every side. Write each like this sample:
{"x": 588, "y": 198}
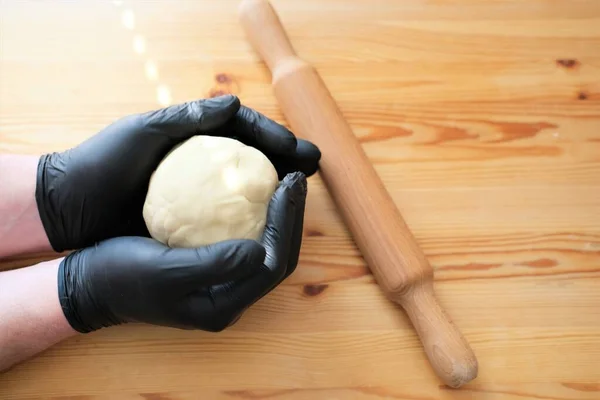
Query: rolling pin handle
{"x": 447, "y": 350}
{"x": 265, "y": 32}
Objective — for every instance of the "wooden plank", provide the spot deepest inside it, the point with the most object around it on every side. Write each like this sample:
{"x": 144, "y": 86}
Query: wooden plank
{"x": 481, "y": 117}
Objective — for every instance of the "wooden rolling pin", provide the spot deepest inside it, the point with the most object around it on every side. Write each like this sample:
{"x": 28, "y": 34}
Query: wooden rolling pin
{"x": 386, "y": 243}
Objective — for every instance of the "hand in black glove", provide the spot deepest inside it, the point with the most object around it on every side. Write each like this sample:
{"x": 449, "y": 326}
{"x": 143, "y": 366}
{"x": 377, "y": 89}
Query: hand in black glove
{"x": 97, "y": 190}
{"x": 137, "y": 279}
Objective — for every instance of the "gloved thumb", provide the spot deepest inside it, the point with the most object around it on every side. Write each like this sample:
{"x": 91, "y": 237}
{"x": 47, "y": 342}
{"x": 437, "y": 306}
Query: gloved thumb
{"x": 182, "y": 121}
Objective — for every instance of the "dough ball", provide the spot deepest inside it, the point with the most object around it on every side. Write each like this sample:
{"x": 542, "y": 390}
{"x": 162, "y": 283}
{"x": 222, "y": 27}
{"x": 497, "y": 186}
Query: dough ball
{"x": 209, "y": 189}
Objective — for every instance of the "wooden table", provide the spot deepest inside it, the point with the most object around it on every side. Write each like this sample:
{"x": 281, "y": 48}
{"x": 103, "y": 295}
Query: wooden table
{"x": 483, "y": 120}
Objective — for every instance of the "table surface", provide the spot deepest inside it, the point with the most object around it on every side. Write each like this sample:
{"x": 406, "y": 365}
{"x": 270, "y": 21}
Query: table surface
{"x": 482, "y": 119}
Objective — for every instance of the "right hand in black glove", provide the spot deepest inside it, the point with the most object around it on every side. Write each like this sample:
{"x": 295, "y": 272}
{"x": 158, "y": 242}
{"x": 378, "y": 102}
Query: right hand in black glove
{"x": 138, "y": 279}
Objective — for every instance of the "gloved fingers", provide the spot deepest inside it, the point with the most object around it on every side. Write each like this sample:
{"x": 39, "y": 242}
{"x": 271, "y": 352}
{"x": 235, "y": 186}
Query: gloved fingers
{"x": 281, "y": 215}
{"x": 182, "y": 121}
{"x": 300, "y": 192}
{"x": 276, "y": 239}
{"x": 225, "y": 116}
{"x": 304, "y": 159}
{"x": 213, "y": 264}
{"x": 255, "y": 129}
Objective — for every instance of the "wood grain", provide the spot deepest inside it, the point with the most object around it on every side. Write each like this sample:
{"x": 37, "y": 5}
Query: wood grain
{"x": 482, "y": 118}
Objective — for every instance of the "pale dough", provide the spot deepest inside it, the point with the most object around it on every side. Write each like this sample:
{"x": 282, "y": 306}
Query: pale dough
{"x": 209, "y": 189}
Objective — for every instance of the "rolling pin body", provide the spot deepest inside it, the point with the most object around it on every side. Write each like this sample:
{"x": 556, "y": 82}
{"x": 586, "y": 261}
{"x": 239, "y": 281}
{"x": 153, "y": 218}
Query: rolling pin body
{"x": 385, "y": 241}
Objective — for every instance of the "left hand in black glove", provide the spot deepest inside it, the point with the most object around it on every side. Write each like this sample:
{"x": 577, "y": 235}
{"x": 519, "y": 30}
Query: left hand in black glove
{"x": 97, "y": 190}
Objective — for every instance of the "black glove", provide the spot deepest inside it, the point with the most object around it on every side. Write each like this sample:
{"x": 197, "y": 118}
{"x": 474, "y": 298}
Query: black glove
{"x": 97, "y": 190}
{"x": 138, "y": 279}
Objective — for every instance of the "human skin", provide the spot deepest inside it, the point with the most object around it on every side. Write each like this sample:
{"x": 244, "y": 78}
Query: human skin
{"x": 30, "y": 313}
{"x": 21, "y": 230}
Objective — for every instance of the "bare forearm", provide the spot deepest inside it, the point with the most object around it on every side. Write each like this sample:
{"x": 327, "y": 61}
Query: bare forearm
{"x": 21, "y": 230}
{"x": 31, "y": 318}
